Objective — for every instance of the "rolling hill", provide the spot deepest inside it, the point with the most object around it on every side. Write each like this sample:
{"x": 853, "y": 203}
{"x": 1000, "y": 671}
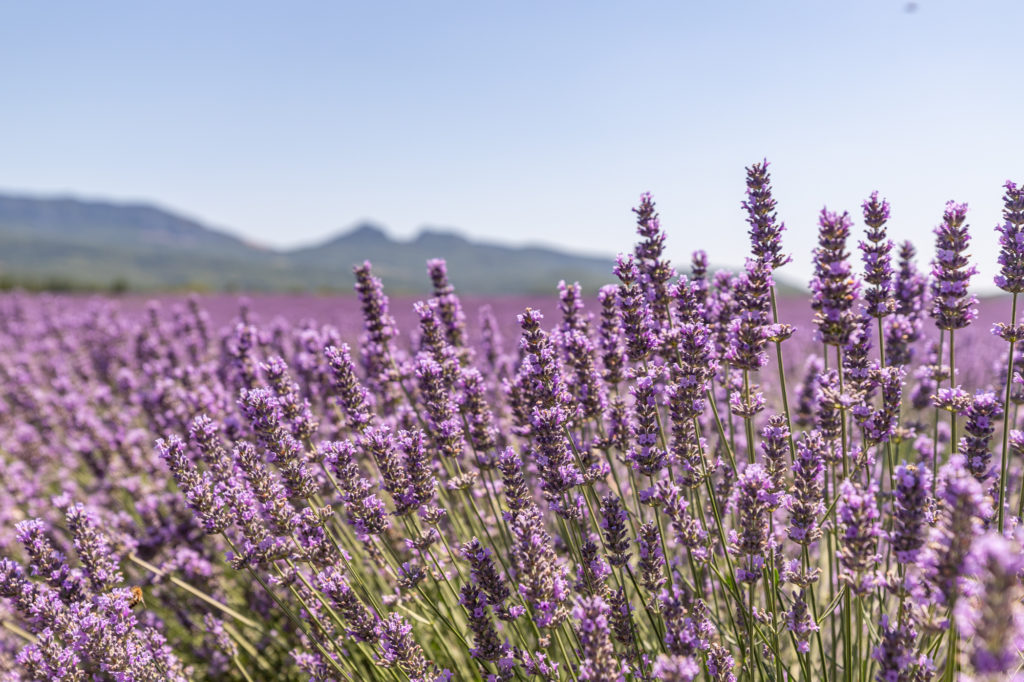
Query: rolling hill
{"x": 69, "y": 243}
{"x": 96, "y": 244}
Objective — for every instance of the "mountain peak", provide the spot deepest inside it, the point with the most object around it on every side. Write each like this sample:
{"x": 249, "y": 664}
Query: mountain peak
{"x": 365, "y": 232}
{"x": 440, "y": 237}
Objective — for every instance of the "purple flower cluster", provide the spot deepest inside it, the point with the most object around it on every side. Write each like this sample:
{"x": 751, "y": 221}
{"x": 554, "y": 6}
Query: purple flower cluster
{"x": 952, "y": 304}
{"x": 648, "y": 486}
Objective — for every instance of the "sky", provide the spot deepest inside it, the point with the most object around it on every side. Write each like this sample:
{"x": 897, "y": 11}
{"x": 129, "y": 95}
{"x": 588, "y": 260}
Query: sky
{"x": 519, "y": 122}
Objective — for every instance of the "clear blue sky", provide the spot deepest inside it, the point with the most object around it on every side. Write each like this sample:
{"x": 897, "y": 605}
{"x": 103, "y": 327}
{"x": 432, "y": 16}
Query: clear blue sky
{"x": 518, "y": 121}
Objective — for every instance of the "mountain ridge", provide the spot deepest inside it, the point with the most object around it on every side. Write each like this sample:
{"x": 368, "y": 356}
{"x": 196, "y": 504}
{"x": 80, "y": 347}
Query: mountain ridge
{"x": 66, "y": 241}
{"x": 141, "y": 245}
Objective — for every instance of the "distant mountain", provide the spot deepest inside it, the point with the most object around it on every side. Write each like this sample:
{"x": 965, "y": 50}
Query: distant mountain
{"x": 138, "y": 246}
{"x": 473, "y": 266}
{"x": 71, "y": 243}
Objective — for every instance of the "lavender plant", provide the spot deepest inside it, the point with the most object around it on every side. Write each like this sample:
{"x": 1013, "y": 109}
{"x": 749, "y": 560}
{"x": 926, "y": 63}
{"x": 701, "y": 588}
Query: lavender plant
{"x": 627, "y": 494}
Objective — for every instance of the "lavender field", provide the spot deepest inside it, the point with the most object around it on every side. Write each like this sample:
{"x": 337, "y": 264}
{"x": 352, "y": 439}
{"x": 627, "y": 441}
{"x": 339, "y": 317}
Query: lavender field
{"x": 680, "y": 477}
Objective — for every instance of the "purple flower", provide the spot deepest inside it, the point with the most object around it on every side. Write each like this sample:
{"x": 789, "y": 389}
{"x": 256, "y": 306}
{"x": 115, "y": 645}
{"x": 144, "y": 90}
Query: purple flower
{"x": 449, "y": 307}
{"x": 93, "y": 548}
{"x": 652, "y": 559}
{"x": 860, "y": 528}
{"x": 585, "y": 384}
{"x": 352, "y": 396}
{"x": 542, "y": 580}
{"x": 485, "y": 575}
{"x": 750, "y": 332}
{"x": 765, "y": 228}
{"x": 398, "y": 648}
{"x": 598, "y": 661}
{"x": 752, "y": 501}
{"x": 880, "y": 424}
{"x": 675, "y": 668}
{"x": 985, "y": 410}
{"x": 775, "y": 439}
{"x": 591, "y": 570}
{"x": 49, "y": 563}
{"x": 655, "y": 271}
{"x": 807, "y": 397}
{"x": 360, "y": 621}
{"x": 964, "y": 506}
{"x": 910, "y": 512}
{"x": 1011, "y": 241}
{"x": 380, "y": 444}
{"x": 806, "y": 504}
{"x": 613, "y": 354}
{"x": 555, "y": 463}
{"x": 904, "y": 327}
{"x": 898, "y": 660}
{"x": 439, "y": 407}
{"x": 875, "y": 252}
{"x": 205, "y": 497}
{"x": 833, "y": 288}
{"x": 540, "y": 371}
{"x": 380, "y": 330}
{"x": 613, "y": 525}
{"x": 952, "y": 305}
{"x": 646, "y": 455}
{"x": 800, "y": 622}
{"x": 994, "y": 624}
{"x": 485, "y": 636}
{"x": 638, "y": 322}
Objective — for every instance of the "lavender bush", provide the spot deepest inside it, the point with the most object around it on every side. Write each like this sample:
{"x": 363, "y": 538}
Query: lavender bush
{"x": 686, "y": 478}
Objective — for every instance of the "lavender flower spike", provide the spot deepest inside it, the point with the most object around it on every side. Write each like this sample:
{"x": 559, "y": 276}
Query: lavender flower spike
{"x": 952, "y": 306}
{"x": 599, "y": 663}
{"x": 833, "y": 288}
{"x": 765, "y": 229}
{"x": 875, "y": 253}
{"x": 1011, "y": 241}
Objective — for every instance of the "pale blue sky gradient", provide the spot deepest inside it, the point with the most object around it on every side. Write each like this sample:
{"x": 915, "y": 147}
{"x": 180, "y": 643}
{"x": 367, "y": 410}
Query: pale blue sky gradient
{"x": 518, "y": 121}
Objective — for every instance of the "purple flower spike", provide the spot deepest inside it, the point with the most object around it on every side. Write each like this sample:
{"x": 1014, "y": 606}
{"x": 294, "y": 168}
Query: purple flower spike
{"x": 875, "y": 252}
{"x": 995, "y": 627}
{"x": 485, "y": 636}
{"x": 912, "y": 515}
{"x": 599, "y": 663}
{"x": 806, "y": 504}
{"x": 765, "y": 228}
{"x": 1011, "y": 241}
{"x": 638, "y": 322}
{"x": 93, "y": 548}
{"x": 858, "y": 544}
{"x": 834, "y": 288}
{"x": 655, "y": 270}
{"x": 985, "y": 410}
{"x": 752, "y": 499}
{"x": 952, "y": 306}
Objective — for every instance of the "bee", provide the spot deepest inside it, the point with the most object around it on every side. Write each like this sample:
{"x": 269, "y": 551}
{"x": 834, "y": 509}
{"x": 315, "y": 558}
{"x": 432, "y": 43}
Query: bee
{"x": 136, "y": 598}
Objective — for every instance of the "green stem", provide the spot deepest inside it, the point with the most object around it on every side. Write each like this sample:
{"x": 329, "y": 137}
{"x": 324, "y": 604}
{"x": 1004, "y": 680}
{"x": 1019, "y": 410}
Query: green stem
{"x": 1006, "y": 417}
{"x": 935, "y": 428}
{"x": 241, "y": 668}
{"x": 782, "y": 379}
{"x": 197, "y": 593}
{"x": 953, "y": 444}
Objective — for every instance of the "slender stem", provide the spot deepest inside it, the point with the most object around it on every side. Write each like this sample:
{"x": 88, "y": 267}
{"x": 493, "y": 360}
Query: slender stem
{"x": 288, "y": 613}
{"x": 935, "y": 431}
{"x": 952, "y": 384}
{"x": 241, "y": 668}
{"x": 1006, "y": 416}
{"x": 18, "y": 630}
{"x": 782, "y": 378}
{"x": 196, "y": 592}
